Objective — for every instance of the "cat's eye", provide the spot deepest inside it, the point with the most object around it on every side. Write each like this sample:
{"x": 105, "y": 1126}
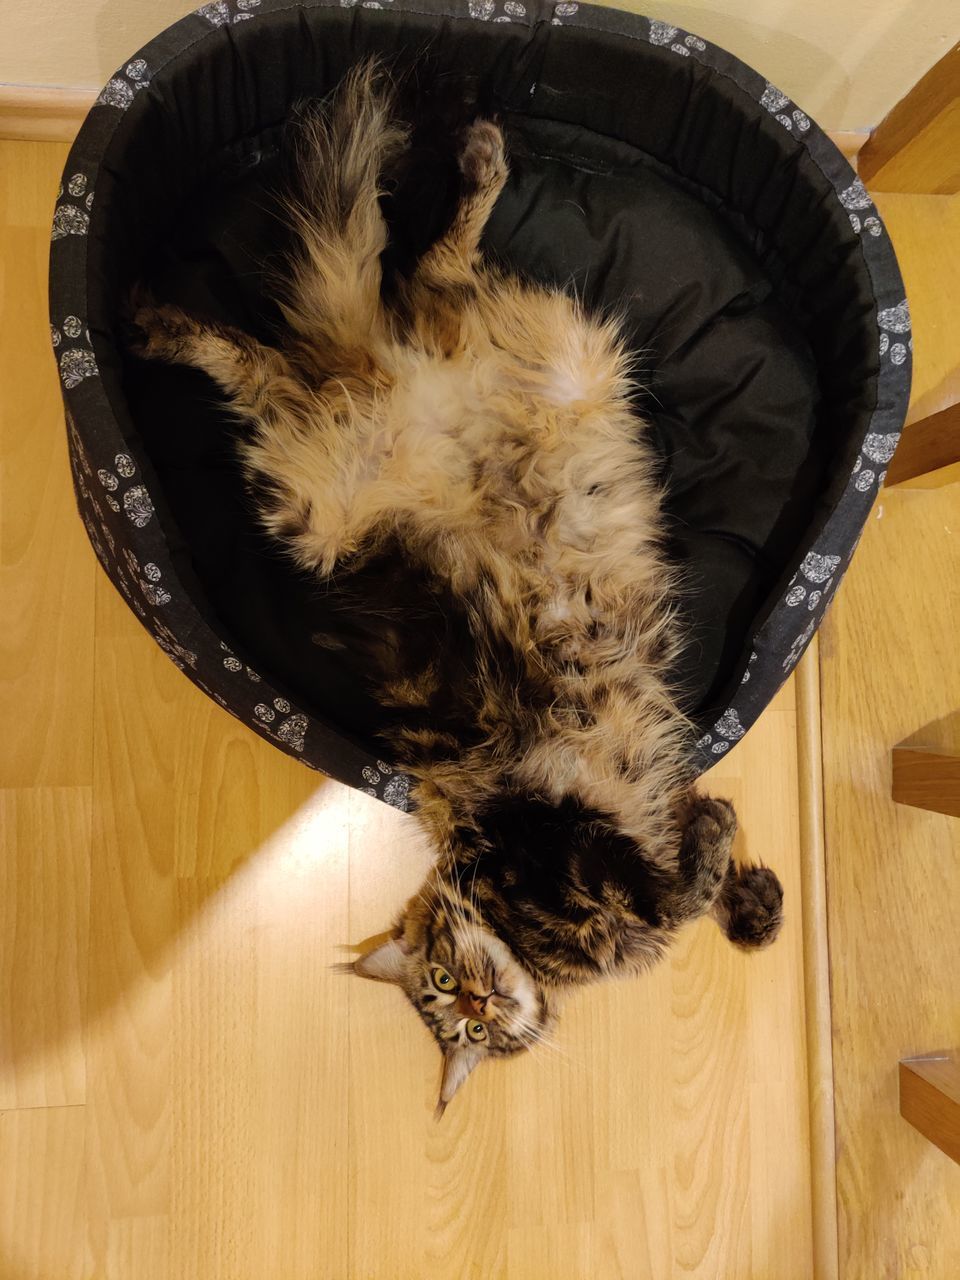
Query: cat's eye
{"x": 442, "y": 980}
{"x": 476, "y": 1032}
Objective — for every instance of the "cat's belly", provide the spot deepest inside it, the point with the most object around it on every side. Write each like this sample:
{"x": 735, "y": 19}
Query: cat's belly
{"x": 548, "y": 504}
{"x": 474, "y": 438}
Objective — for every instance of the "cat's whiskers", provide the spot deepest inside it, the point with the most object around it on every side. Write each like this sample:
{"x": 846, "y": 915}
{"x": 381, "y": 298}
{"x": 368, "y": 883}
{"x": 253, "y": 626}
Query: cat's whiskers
{"x": 474, "y": 906}
{"x": 534, "y": 1038}
{"x": 422, "y": 896}
{"x": 467, "y": 934}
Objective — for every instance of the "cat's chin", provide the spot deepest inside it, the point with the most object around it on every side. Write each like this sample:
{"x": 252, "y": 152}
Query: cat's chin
{"x": 510, "y": 977}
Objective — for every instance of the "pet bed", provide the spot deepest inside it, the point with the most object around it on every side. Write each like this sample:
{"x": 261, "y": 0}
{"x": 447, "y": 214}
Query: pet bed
{"x": 650, "y": 171}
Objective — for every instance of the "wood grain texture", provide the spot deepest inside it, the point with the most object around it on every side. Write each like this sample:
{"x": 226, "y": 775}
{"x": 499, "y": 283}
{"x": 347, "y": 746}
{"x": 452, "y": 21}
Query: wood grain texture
{"x": 245, "y": 1112}
{"x": 926, "y": 767}
{"x": 816, "y": 964}
{"x": 924, "y": 230}
{"x": 41, "y": 1195}
{"x": 927, "y": 778}
{"x": 939, "y": 735}
{"x": 930, "y": 1100}
{"x": 41, "y": 114}
{"x": 930, "y": 445}
{"x": 44, "y": 907}
{"x": 46, "y": 574}
{"x": 916, "y": 148}
{"x": 888, "y": 666}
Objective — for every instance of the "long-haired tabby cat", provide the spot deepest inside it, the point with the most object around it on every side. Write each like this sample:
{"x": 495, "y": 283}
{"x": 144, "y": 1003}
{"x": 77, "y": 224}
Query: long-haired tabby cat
{"x": 470, "y": 443}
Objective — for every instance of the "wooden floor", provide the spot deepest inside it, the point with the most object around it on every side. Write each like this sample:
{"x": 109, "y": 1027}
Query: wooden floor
{"x": 188, "y": 1091}
{"x": 891, "y": 664}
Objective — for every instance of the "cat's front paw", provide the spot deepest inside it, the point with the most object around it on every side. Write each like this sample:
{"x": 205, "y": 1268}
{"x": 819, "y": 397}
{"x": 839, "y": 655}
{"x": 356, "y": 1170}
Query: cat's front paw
{"x": 483, "y": 160}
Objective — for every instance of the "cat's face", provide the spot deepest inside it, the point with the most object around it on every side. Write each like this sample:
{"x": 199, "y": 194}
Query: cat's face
{"x": 473, "y": 994}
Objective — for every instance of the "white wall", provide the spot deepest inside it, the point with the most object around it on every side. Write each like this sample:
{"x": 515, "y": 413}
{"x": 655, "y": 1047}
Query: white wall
{"x": 845, "y": 61}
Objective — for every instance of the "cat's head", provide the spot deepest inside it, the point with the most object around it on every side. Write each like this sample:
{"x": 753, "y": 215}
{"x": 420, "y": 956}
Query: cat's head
{"x": 471, "y": 991}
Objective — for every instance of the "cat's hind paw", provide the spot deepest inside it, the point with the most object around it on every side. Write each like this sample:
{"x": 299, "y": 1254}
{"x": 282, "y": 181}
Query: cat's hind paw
{"x": 750, "y": 907}
{"x": 710, "y": 821}
{"x": 483, "y": 159}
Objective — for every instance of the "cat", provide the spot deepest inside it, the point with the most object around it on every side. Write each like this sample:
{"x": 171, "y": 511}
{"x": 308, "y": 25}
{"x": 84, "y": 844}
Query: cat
{"x": 465, "y": 459}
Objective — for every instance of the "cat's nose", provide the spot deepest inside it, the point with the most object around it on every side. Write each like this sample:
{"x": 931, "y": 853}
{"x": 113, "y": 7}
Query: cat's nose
{"x": 471, "y": 1005}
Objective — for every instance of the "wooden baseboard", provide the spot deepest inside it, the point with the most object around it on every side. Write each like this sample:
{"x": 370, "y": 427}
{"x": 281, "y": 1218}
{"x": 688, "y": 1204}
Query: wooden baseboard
{"x": 816, "y": 968}
{"x": 40, "y": 114}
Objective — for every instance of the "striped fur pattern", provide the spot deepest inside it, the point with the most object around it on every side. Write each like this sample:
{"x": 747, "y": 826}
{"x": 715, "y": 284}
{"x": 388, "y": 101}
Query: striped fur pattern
{"x": 472, "y": 441}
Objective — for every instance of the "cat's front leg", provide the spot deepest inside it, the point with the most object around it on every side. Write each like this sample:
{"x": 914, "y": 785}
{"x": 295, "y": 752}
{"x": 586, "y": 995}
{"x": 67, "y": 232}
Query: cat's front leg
{"x": 241, "y": 366}
{"x": 300, "y": 462}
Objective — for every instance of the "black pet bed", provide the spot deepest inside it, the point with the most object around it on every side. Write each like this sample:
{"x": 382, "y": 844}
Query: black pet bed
{"x": 651, "y": 172}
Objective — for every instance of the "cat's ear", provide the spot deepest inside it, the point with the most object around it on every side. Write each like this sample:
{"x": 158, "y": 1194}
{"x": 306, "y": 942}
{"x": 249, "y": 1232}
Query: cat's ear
{"x": 387, "y": 962}
{"x": 457, "y": 1065}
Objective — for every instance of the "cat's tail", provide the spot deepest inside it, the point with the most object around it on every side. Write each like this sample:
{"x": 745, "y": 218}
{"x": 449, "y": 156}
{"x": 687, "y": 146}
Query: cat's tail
{"x": 332, "y": 289}
{"x": 746, "y": 901}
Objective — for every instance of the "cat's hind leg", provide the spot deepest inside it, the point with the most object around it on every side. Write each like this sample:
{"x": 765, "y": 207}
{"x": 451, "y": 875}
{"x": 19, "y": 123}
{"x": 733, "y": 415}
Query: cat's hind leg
{"x": 746, "y": 901}
{"x": 452, "y": 259}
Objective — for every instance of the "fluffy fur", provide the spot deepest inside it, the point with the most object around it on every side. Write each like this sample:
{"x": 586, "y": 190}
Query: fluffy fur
{"x": 474, "y": 437}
